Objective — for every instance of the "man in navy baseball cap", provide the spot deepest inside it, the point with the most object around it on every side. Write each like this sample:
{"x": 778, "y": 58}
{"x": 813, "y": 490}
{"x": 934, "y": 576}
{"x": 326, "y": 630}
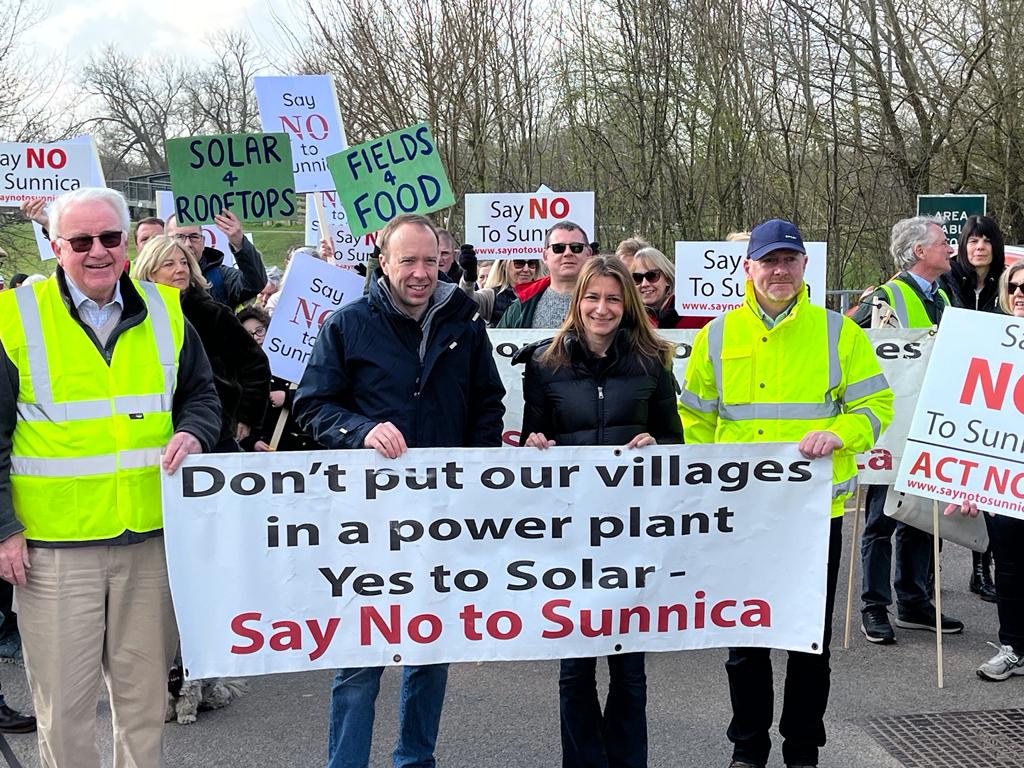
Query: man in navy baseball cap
{"x": 774, "y": 235}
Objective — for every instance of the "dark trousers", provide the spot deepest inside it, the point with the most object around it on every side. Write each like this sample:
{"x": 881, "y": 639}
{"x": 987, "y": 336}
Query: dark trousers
{"x": 806, "y": 695}
{"x": 913, "y": 558}
{"x": 1006, "y": 537}
{"x": 616, "y": 739}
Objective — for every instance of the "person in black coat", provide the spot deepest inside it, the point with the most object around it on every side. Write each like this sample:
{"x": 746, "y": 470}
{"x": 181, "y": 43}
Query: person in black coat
{"x": 604, "y": 379}
{"x": 241, "y": 371}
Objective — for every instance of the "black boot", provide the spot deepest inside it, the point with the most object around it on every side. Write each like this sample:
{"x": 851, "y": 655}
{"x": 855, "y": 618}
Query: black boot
{"x": 981, "y": 577}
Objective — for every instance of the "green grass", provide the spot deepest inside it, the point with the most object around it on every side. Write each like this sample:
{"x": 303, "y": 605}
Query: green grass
{"x": 22, "y": 256}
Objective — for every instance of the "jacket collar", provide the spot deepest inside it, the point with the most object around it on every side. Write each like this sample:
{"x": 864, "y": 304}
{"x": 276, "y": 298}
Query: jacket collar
{"x": 750, "y": 300}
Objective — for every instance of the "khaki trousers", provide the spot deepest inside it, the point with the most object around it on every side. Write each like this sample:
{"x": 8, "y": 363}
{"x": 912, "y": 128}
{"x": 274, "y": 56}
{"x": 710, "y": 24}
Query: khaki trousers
{"x": 92, "y": 609}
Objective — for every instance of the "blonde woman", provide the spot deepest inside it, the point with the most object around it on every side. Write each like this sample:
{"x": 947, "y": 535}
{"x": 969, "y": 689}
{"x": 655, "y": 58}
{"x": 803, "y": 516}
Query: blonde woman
{"x": 240, "y": 369}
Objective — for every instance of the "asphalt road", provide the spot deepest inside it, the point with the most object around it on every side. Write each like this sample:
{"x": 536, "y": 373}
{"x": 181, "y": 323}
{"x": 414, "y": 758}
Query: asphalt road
{"x": 505, "y": 715}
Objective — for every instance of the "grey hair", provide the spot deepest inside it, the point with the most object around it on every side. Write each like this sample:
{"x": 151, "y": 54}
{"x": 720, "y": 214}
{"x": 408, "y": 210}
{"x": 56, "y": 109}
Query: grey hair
{"x": 89, "y": 195}
{"x": 907, "y": 234}
{"x": 569, "y": 226}
{"x": 274, "y": 275}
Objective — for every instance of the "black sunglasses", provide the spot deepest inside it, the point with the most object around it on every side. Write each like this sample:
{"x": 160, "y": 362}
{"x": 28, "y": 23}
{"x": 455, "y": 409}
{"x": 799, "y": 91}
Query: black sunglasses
{"x": 651, "y": 277}
{"x": 82, "y": 243}
{"x": 1012, "y": 288}
{"x": 520, "y": 263}
{"x": 574, "y": 247}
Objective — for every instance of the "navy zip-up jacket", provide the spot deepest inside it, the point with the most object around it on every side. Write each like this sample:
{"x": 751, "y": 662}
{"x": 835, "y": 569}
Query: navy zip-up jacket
{"x": 434, "y": 379}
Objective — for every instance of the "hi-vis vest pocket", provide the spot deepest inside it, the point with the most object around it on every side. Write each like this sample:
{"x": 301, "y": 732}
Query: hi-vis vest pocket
{"x": 737, "y": 376}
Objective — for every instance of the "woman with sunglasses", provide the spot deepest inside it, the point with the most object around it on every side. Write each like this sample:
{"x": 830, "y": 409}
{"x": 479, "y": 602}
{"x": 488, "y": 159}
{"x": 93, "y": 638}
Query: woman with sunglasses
{"x": 241, "y": 372}
{"x": 655, "y": 279}
{"x": 499, "y": 287}
{"x": 973, "y": 283}
{"x": 605, "y": 379}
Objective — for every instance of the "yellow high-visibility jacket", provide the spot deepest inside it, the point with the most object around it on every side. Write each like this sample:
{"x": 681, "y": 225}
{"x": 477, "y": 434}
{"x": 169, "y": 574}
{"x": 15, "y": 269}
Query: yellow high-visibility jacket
{"x": 85, "y": 456}
{"x": 815, "y": 370}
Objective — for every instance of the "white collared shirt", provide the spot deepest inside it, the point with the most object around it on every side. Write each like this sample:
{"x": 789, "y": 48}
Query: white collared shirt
{"x": 90, "y": 311}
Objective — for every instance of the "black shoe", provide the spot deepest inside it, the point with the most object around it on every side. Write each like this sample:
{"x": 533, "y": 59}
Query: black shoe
{"x": 924, "y": 618}
{"x": 741, "y": 764}
{"x": 876, "y": 627}
{"x": 981, "y": 577}
{"x": 15, "y": 722}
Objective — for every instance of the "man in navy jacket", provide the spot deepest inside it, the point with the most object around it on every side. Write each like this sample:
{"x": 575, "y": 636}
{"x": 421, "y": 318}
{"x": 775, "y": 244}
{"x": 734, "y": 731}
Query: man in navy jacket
{"x": 407, "y": 366}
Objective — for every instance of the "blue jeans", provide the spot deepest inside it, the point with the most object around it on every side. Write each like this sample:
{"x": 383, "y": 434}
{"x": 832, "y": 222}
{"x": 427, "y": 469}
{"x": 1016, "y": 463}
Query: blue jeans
{"x": 617, "y": 738}
{"x": 913, "y": 558}
{"x": 350, "y": 731}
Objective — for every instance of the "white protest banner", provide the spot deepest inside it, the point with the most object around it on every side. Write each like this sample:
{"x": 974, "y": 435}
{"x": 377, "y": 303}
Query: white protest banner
{"x": 710, "y": 278}
{"x": 514, "y": 224}
{"x": 292, "y": 561}
{"x": 306, "y": 108}
{"x": 213, "y": 236}
{"x": 903, "y": 355}
{"x": 95, "y": 180}
{"x": 312, "y": 291}
{"x": 349, "y": 250}
{"x": 42, "y": 171}
{"x": 967, "y": 436}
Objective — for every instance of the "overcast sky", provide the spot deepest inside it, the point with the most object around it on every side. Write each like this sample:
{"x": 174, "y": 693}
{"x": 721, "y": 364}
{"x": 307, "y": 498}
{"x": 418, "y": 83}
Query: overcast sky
{"x": 82, "y": 27}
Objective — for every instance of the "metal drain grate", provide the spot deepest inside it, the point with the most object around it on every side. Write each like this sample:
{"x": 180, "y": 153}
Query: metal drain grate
{"x": 986, "y": 739}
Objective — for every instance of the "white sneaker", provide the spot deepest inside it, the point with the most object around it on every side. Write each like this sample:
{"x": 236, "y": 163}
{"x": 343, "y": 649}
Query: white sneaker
{"x": 1005, "y": 663}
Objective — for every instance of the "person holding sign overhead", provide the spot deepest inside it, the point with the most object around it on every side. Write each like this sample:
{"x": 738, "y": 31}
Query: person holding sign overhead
{"x": 228, "y": 285}
{"x": 544, "y": 303}
{"x": 914, "y": 299}
{"x": 605, "y": 379}
{"x": 780, "y": 369}
{"x": 408, "y": 366}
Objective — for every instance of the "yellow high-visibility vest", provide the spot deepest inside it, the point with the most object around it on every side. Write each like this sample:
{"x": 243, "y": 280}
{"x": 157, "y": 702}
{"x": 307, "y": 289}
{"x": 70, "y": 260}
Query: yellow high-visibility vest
{"x": 908, "y": 306}
{"x": 815, "y": 370}
{"x": 85, "y": 459}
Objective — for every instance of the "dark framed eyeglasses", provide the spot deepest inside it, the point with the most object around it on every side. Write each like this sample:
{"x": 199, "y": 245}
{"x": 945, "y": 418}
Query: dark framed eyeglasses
{"x": 520, "y": 263}
{"x": 560, "y": 247}
{"x": 653, "y": 276}
{"x": 258, "y": 331}
{"x": 82, "y": 243}
{"x": 1012, "y": 288}
{"x": 191, "y": 237}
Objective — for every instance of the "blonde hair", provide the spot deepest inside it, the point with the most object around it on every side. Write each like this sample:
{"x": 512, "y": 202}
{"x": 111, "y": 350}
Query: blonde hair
{"x": 738, "y": 237}
{"x": 644, "y": 342}
{"x": 157, "y": 249}
{"x": 498, "y": 278}
{"x": 631, "y": 246}
{"x": 1004, "y": 285}
{"x": 659, "y": 261}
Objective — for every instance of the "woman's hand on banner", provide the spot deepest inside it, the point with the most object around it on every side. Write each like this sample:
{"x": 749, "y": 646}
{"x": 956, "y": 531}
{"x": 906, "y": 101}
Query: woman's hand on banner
{"x": 644, "y": 438}
{"x": 537, "y": 440}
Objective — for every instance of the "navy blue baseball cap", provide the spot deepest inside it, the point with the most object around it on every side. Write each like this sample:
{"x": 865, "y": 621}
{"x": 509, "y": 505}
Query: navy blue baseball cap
{"x": 774, "y": 235}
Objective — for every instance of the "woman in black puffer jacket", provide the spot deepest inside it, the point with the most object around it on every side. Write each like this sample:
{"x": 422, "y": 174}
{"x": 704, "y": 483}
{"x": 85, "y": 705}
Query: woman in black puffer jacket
{"x": 241, "y": 371}
{"x": 605, "y": 379}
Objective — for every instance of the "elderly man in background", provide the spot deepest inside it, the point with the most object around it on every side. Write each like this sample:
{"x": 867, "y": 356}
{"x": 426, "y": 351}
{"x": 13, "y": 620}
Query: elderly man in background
{"x": 98, "y": 375}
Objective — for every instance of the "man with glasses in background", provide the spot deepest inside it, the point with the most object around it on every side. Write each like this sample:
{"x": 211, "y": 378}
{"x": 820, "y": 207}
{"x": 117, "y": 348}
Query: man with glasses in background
{"x": 99, "y": 375}
{"x": 544, "y": 303}
{"x": 228, "y": 285}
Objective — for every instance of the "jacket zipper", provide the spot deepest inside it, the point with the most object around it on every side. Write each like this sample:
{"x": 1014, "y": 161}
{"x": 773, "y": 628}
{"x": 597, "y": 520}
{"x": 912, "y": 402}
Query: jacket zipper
{"x": 600, "y": 415}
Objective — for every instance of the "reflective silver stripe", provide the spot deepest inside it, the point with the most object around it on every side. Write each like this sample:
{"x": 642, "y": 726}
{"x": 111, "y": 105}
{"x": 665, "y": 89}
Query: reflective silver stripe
{"x": 876, "y": 425}
{"x": 127, "y": 404}
{"x": 899, "y": 304}
{"x": 79, "y": 410}
{"x": 716, "y": 336}
{"x": 698, "y": 403}
{"x": 83, "y": 410}
{"x": 32, "y": 325}
{"x": 835, "y": 330}
{"x": 161, "y": 322}
{"x": 140, "y": 458}
{"x": 847, "y": 486}
{"x": 79, "y": 466}
{"x": 865, "y": 387}
{"x": 84, "y": 466}
{"x": 793, "y": 411}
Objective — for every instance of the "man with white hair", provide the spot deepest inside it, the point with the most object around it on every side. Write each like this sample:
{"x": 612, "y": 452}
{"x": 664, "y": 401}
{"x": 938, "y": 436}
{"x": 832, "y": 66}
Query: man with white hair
{"x": 913, "y": 299}
{"x": 99, "y": 374}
